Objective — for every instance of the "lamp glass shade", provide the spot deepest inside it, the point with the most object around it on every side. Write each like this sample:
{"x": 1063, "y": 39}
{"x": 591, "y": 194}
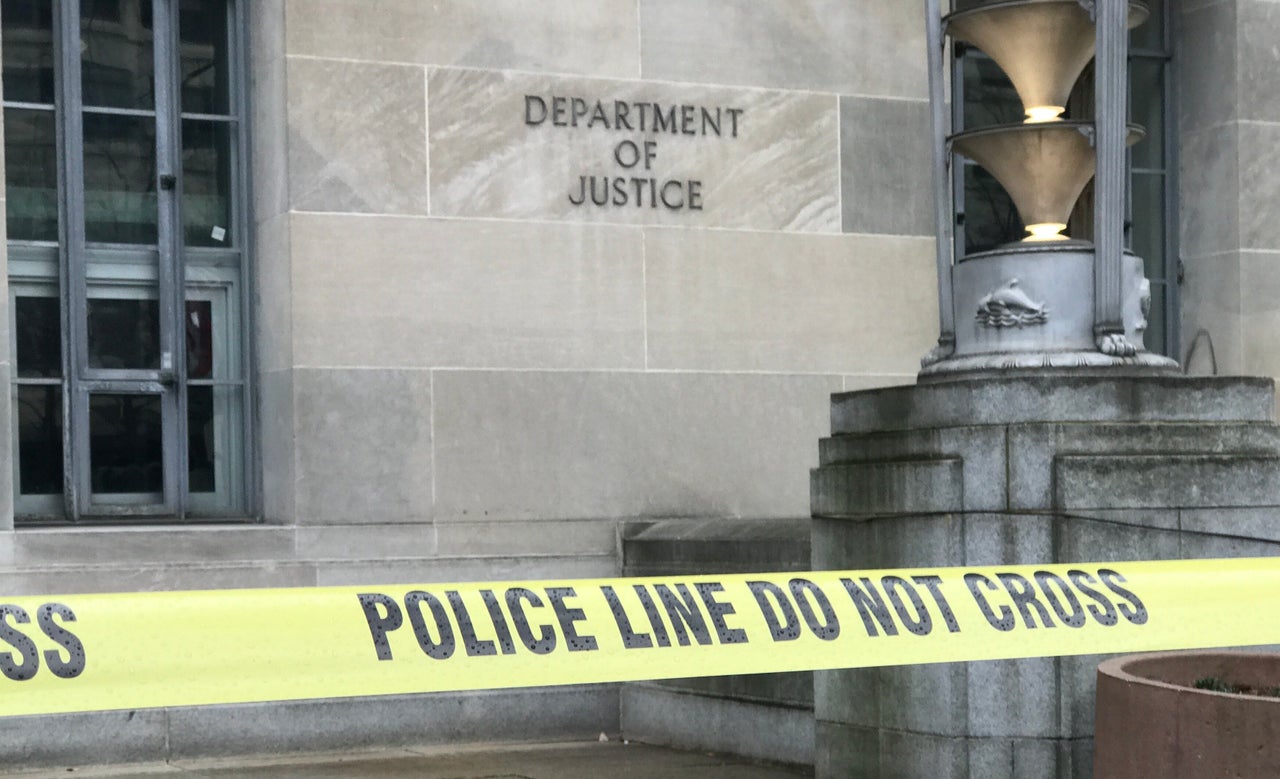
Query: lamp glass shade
{"x": 1044, "y": 167}
{"x": 1042, "y": 45}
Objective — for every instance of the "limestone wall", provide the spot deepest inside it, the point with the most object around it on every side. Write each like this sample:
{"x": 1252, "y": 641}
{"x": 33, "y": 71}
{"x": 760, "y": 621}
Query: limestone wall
{"x": 454, "y": 337}
{"x": 1229, "y": 119}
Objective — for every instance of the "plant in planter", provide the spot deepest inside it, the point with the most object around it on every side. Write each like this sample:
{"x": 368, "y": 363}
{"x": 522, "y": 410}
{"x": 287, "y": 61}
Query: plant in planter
{"x": 1185, "y": 715}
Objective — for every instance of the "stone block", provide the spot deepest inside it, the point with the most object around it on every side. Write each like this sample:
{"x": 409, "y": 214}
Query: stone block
{"x": 47, "y": 579}
{"x": 1078, "y": 681}
{"x": 544, "y": 445}
{"x": 1038, "y": 399}
{"x": 984, "y": 476}
{"x": 877, "y": 380}
{"x": 933, "y": 541}
{"x": 562, "y": 713}
{"x": 844, "y": 751}
{"x": 904, "y": 487}
{"x": 276, "y": 439}
{"x": 933, "y": 698}
{"x": 1007, "y": 539}
{"x": 1012, "y": 698}
{"x": 727, "y": 300}
{"x": 273, "y": 277}
{"x": 1243, "y": 523}
{"x": 269, "y": 149}
{"x": 64, "y": 741}
{"x": 267, "y": 42}
{"x": 1198, "y": 547}
{"x": 763, "y": 732}
{"x": 357, "y": 137}
{"x": 1208, "y": 74}
{"x": 844, "y": 544}
{"x": 363, "y": 446}
{"x": 1257, "y": 59}
{"x": 766, "y": 160}
{"x": 849, "y": 696}
{"x": 1033, "y": 447}
{"x": 366, "y": 542}
{"x": 993, "y": 759}
{"x": 862, "y": 47}
{"x": 151, "y": 544}
{"x": 1154, "y": 481}
{"x": 1211, "y": 309}
{"x": 922, "y": 755}
{"x": 1260, "y": 310}
{"x": 445, "y": 570}
{"x": 535, "y": 537}
{"x": 891, "y": 445}
{"x": 1037, "y": 757}
{"x": 1208, "y": 166}
{"x": 561, "y": 36}
{"x": 793, "y": 689}
{"x": 706, "y": 546}
{"x": 886, "y": 168}
{"x": 1259, "y": 192}
{"x": 1080, "y": 540}
{"x": 466, "y": 294}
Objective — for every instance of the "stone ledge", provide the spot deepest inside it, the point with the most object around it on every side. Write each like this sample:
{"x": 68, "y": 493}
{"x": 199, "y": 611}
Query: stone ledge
{"x": 1015, "y": 399}
{"x": 1165, "y": 481}
{"x": 707, "y": 546}
{"x": 183, "y": 733}
{"x": 904, "y": 487}
{"x": 693, "y": 721}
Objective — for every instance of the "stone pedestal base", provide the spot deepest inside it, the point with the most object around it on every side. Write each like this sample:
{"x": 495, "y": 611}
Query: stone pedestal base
{"x": 1023, "y": 470}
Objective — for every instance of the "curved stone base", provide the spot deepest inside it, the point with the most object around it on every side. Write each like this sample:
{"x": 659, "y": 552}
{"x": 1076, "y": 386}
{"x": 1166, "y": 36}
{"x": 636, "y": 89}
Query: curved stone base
{"x": 1072, "y": 361}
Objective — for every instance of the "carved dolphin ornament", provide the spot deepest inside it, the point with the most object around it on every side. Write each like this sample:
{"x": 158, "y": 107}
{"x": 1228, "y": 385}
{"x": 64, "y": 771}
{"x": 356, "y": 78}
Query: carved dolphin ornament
{"x": 1009, "y": 306}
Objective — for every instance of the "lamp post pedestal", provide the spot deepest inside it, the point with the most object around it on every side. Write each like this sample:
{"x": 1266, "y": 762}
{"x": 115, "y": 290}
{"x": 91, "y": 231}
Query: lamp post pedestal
{"x": 1023, "y": 469}
{"x": 1022, "y": 311}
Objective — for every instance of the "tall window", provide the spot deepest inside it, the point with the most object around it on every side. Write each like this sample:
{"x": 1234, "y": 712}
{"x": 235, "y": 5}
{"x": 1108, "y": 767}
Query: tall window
{"x": 126, "y": 216}
{"x": 987, "y": 217}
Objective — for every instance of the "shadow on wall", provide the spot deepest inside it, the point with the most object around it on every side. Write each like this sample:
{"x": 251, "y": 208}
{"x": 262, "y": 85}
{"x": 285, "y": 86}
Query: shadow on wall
{"x": 1207, "y": 362}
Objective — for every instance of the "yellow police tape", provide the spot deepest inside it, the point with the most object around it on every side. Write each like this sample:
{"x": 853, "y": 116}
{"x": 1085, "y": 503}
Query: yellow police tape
{"x": 126, "y": 651}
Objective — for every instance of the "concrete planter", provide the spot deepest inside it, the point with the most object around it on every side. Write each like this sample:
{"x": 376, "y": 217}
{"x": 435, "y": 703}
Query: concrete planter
{"x": 1152, "y": 722}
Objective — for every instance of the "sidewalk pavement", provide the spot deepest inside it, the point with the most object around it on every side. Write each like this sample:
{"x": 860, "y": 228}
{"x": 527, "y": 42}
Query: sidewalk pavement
{"x": 593, "y": 760}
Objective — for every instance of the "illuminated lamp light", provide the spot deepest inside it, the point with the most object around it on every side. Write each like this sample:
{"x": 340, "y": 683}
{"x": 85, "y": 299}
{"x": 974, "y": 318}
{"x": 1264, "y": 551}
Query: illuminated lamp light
{"x": 1046, "y": 231}
{"x": 1044, "y": 113}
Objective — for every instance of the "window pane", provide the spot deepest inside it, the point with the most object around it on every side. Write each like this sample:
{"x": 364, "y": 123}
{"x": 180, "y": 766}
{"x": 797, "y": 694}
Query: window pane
{"x": 202, "y": 446}
{"x": 31, "y": 175}
{"x": 990, "y": 218}
{"x": 38, "y": 335}
{"x": 202, "y": 29}
{"x": 199, "y": 339}
{"x": 1150, "y": 35}
{"x": 124, "y": 334}
{"x": 119, "y": 179}
{"x": 28, "y": 50}
{"x": 1147, "y": 232}
{"x": 206, "y": 183}
{"x": 989, "y": 96}
{"x": 118, "y": 68}
{"x": 1146, "y": 80}
{"x": 215, "y": 447}
{"x": 125, "y": 444}
{"x": 40, "y": 440}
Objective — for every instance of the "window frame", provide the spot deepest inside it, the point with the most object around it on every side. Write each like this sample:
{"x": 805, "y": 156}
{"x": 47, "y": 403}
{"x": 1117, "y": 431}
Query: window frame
{"x": 1169, "y": 264}
{"x": 181, "y": 273}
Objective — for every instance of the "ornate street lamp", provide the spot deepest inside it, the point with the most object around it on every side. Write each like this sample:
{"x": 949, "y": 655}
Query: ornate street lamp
{"x": 1048, "y": 301}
